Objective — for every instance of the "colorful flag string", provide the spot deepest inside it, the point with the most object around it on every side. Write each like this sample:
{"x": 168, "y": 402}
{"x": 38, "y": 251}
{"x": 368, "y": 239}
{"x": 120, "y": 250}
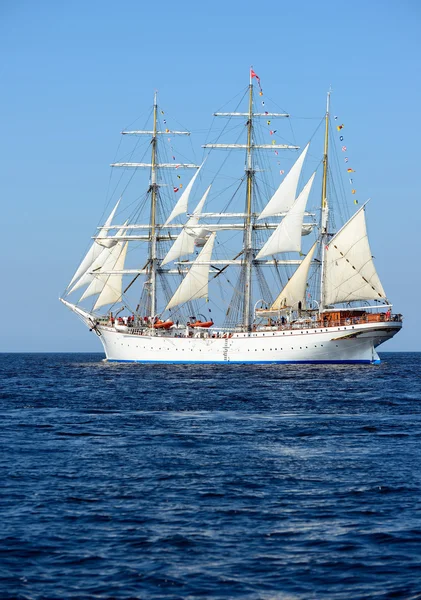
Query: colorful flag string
{"x": 179, "y": 186}
{"x": 346, "y": 159}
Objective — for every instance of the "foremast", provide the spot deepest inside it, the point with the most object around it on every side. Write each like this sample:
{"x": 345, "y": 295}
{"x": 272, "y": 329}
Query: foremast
{"x": 324, "y": 236}
{"x": 153, "y": 226}
{"x": 248, "y": 225}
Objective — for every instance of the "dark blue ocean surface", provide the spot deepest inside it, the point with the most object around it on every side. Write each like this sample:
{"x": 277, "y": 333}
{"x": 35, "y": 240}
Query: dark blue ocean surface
{"x": 272, "y": 482}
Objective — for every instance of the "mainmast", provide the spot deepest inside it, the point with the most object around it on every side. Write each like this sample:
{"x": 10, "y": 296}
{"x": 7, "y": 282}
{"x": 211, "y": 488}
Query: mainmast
{"x": 154, "y": 192}
{"x": 324, "y": 238}
{"x": 248, "y": 226}
{"x": 249, "y": 147}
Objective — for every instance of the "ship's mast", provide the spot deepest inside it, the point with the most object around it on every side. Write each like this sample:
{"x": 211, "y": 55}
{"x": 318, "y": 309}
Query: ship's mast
{"x": 248, "y": 226}
{"x": 153, "y": 226}
{"x": 154, "y": 193}
{"x": 249, "y": 147}
{"x": 324, "y": 238}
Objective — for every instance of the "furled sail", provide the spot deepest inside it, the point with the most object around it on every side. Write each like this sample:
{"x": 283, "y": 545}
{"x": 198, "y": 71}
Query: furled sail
{"x": 349, "y": 271}
{"x": 184, "y": 244}
{"x": 112, "y": 290}
{"x": 195, "y": 283}
{"x": 295, "y": 289}
{"x": 285, "y": 195}
{"x": 287, "y": 236}
{"x": 96, "y": 266}
{"x": 181, "y": 205}
{"x": 95, "y": 250}
{"x": 98, "y": 282}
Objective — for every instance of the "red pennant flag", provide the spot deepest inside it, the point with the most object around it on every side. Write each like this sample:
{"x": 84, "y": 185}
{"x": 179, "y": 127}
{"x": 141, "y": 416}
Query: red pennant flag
{"x": 253, "y": 74}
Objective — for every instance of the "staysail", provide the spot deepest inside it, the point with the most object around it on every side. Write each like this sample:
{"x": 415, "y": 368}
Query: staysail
{"x": 285, "y": 195}
{"x": 97, "y": 284}
{"x": 96, "y": 248}
{"x": 184, "y": 244}
{"x": 287, "y": 236}
{"x": 195, "y": 283}
{"x": 295, "y": 289}
{"x": 95, "y": 268}
{"x": 112, "y": 290}
{"x": 349, "y": 271}
{"x": 182, "y": 204}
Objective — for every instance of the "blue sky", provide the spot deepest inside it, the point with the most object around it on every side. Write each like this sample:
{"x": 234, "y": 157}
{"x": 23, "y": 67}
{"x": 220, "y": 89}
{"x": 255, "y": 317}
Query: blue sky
{"x": 74, "y": 74}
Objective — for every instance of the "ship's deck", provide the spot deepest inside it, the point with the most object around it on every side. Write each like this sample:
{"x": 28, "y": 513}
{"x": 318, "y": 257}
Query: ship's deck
{"x": 301, "y": 324}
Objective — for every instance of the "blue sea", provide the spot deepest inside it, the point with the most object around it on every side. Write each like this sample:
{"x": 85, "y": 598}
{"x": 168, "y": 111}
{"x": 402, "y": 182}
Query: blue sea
{"x": 198, "y": 481}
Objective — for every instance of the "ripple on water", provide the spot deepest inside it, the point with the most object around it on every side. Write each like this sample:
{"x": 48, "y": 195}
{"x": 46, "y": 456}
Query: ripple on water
{"x": 197, "y": 481}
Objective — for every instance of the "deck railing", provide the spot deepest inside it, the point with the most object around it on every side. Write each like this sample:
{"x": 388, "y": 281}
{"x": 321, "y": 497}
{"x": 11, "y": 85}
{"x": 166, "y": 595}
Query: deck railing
{"x": 274, "y": 325}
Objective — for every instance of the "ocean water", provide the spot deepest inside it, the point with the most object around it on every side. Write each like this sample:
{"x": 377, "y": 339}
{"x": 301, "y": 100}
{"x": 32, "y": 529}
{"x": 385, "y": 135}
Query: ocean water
{"x": 197, "y": 481}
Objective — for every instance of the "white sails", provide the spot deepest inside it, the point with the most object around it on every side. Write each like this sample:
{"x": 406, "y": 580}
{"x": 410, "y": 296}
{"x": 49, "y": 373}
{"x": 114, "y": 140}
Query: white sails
{"x": 285, "y": 195}
{"x": 96, "y": 248}
{"x": 349, "y": 271}
{"x": 295, "y": 290}
{"x": 182, "y": 204}
{"x": 112, "y": 263}
{"x": 112, "y": 290}
{"x": 195, "y": 283}
{"x": 184, "y": 244}
{"x": 287, "y": 236}
{"x": 95, "y": 268}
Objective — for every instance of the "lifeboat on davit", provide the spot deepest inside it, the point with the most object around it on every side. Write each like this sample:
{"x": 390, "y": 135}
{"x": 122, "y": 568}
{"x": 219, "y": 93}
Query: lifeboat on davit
{"x": 201, "y": 324}
{"x": 163, "y": 324}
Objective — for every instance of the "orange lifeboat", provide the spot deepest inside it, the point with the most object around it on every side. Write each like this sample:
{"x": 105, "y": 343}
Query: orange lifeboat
{"x": 163, "y": 324}
{"x": 202, "y": 324}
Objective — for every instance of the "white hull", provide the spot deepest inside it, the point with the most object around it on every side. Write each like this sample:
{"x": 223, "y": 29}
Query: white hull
{"x": 347, "y": 344}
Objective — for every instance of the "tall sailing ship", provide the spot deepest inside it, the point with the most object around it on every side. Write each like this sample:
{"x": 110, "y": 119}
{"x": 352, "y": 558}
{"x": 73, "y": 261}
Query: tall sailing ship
{"x": 279, "y": 297}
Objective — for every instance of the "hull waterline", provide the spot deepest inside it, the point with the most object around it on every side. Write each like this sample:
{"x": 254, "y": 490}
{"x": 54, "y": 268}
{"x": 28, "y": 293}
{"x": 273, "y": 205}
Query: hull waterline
{"x": 334, "y": 345}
